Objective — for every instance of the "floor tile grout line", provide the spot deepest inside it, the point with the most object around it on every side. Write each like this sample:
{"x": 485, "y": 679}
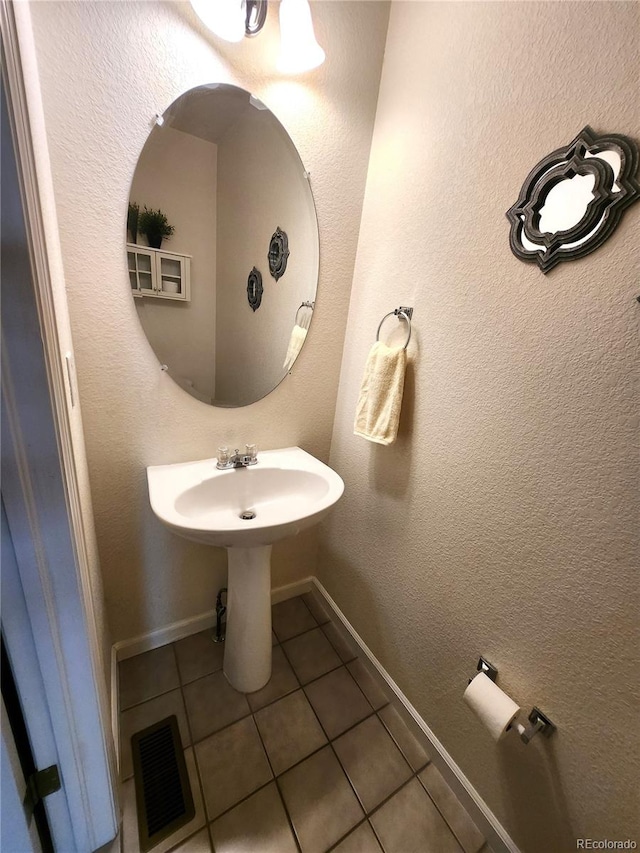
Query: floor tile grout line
{"x": 294, "y": 831}
{"x": 346, "y": 731}
{"x": 284, "y": 696}
{"x": 149, "y": 699}
{"x": 275, "y": 779}
{"x": 353, "y": 829}
{"x": 306, "y": 630}
{"x": 179, "y": 844}
{"x": 376, "y": 836}
{"x": 368, "y": 815}
{"x": 195, "y": 757}
{"x": 317, "y": 677}
{"x": 415, "y": 775}
{"x": 351, "y": 785}
{"x": 330, "y": 742}
{"x": 302, "y": 599}
{"x": 240, "y": 801}
{"x": 375, "y": 710}
{"x": 182, "y": 683}
{"x": 344, "y": 770}
{"x": 359, "y": 688}
{"x": 441, "y": 813}
{"x": 397, "y": 743}
{"x": 334, "y": 647}
{"x": 181, "y": 686}
{"x": 184, "y": 748}
{"x": 375, "y": 714}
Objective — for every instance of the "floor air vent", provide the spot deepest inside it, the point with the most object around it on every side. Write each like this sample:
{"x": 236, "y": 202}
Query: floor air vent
{"x": 163, "y": 793}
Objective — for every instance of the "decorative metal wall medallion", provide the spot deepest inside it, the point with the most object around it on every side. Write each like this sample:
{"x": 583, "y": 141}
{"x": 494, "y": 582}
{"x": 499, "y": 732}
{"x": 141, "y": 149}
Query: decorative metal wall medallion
{"x": 278, "y": 253}
{"x": 254, "y": 288}
{"x": 573, "y": 199}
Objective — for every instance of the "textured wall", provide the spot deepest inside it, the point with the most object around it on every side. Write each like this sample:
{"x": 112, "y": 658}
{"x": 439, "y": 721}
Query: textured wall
{"x": 261, "y": 187}
{"x": 504, "y": 520}
{"x": 106, "y": 70}
{"x": 178, "y": 173}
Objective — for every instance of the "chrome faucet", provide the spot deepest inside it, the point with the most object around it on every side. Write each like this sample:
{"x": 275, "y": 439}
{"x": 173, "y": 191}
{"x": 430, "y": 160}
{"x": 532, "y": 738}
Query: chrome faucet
{"x": 237, "y": 459}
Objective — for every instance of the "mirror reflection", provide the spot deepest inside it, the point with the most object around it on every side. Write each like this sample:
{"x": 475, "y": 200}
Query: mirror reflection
{"x": 214, "y": 182}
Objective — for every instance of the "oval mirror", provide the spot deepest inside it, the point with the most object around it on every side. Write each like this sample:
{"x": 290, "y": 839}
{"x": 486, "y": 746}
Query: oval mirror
{"x": 217, "y": 178}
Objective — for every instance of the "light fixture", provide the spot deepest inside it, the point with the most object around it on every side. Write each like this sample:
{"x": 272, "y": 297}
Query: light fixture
{"x": 232, "y": 20}
{"x": 299, "y": 50}
{"x": 256, "y": 15}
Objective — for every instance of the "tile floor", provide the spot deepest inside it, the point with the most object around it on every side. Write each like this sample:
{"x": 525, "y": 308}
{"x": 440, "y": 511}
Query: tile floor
{"x": 317, "y": 760}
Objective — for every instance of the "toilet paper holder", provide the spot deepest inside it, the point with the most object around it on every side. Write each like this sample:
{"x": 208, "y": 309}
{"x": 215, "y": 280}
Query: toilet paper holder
{"x": 539, "y": 723}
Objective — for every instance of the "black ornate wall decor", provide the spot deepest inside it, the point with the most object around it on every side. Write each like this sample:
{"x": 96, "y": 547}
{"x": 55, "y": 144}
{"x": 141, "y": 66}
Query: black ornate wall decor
{"x": 278, "y": 253}
{"x": 254, "y": 288}
{"x": 573, "y": 199}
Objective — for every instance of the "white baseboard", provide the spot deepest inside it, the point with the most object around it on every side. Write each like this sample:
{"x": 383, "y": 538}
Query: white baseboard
{"x": 497, "y": 838}
{"x": 194, "y": 624}
{"x": 290, "y": 590}
{"x": 161, "y": 636}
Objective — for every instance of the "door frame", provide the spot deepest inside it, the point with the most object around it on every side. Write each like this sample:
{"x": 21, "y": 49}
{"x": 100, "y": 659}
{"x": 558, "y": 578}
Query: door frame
{"x": 45, "y": 485}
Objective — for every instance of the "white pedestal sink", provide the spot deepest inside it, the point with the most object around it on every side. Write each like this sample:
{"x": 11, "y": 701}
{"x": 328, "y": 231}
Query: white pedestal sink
{"x": 285, "y": 492}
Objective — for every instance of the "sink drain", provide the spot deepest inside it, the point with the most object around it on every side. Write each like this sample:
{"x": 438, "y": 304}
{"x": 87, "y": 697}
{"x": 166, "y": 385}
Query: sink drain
{"x": 247, "y": 515}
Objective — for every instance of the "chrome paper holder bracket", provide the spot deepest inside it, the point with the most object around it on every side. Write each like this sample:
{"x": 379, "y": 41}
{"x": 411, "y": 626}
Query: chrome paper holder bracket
{"x": 488, "y": 668}
{"x": 538, "y": 723}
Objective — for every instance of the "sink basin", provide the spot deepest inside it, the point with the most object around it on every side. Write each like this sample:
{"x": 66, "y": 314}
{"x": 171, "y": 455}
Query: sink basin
{"x": 245, "y": 510}
{"x": 286, "y": 492}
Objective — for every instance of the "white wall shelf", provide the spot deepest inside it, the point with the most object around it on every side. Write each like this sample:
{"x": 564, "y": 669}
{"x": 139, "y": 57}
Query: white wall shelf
{"x": 158, "y": 273}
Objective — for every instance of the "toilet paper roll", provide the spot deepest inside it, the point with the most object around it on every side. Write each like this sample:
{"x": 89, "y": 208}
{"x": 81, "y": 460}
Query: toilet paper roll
{"x": 492, "y": 705}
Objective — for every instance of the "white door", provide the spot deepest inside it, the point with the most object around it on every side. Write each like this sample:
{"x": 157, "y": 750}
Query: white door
{"x": 15, "y": 832}
{"x": 19, "y": 828}
{"x": 48, "y": 611}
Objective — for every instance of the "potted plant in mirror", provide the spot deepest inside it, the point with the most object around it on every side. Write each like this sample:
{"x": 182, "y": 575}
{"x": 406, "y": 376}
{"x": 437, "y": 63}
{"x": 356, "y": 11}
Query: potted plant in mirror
{"x": 132, "y": 220}
{"x": 155, "y": 226}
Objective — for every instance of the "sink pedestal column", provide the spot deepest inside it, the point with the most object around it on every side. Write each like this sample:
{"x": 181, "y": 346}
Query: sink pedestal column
{"x": 247, "y": 652}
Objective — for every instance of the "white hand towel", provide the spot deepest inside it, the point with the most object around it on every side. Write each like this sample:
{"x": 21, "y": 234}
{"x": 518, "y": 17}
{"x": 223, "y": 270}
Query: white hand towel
{"x": 298, "y": 336}
{"x": 378, "y": 409}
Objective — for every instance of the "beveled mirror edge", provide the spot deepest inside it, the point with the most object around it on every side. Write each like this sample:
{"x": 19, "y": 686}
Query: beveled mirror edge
{"x": 314, "y": 260}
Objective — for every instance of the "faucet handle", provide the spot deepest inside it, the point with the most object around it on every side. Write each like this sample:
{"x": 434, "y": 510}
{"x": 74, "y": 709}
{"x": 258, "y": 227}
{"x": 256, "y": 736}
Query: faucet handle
{"x": 223, "y": 455}
{"x": 251, "y": 450}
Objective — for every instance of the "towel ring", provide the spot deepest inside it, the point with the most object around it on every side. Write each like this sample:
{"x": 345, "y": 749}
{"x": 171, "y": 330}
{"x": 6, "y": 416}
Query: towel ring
{"x": 399, "y": 312}
{"x": 310, "y": 305}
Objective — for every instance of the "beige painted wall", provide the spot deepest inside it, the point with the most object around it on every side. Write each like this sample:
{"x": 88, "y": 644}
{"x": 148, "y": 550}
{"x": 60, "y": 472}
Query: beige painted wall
{"x": 106, "y": 69}
{"x": 178, "y": 173}
{"x": 261, "y": 186}
{"x": 504, "y": 520}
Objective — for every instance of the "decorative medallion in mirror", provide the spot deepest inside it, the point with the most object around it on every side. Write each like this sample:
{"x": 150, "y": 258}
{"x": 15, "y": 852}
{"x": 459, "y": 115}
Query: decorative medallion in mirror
{"x": 209, "y": 166}
{"x": 278, "y": 253}
{"x": 573, "y": 199}
{"x": 254, "y": 288}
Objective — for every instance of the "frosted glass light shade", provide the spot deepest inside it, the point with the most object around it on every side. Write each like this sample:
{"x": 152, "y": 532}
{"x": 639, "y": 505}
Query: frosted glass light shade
{"x": 299, "y": 50}
{"x": 225, "y": 18}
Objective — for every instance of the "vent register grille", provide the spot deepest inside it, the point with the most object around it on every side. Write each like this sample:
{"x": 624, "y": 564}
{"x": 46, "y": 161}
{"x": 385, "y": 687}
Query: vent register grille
{"x": 164, "y": 800}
